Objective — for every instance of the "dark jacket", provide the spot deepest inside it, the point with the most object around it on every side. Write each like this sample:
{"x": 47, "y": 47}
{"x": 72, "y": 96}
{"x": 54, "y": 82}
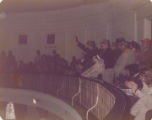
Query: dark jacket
{"x": 89, "y": 53}
{"x": 107, "y": 56}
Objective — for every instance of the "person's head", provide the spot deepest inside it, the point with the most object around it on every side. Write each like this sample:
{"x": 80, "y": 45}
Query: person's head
{"x": 113, "y": 46}
{"x": 105, "y": 44}
{"x": 38, "y": 52}
{"x": 132, "y": 68}
{"x": 95, "y": 59}
{"x": 124, "y": 46}
{"x": 136, "y": 46}
{"x": 146, "y": 77}
{"x": 133, "y": 83}
{"x": 91, "y": 45}
{"x": 146, "y": 43}
{"x": 120, "y": 41}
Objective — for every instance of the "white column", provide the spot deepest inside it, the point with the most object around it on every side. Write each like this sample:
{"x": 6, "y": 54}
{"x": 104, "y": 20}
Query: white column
{"x": 85, "y": 33}
{"x": 109, "y": 32}
{"x": 135, "y": 27}
{"x": 66, "y": 45}
{"x": 147, "y": 28}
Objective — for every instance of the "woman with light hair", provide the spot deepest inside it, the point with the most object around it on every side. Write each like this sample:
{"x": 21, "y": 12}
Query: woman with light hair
{"x": 96, "y": 69}
{"x": 144, "y": 103}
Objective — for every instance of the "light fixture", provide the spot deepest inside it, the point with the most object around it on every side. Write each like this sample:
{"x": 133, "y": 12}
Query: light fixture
{"x": 1, "y": 1}
{"x": 150, "y": 0}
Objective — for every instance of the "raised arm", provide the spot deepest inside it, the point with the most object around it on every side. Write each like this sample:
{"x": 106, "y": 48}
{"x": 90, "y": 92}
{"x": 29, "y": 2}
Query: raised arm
{"x": 81, "y": 45}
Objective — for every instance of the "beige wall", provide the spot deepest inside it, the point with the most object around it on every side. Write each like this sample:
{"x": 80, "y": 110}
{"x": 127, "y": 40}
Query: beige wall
{"x": 133, "y": 24}
{"x": 89, "y": 23}
{"x": 147, "y": 28}
{"x": 123, "y": 26}
{"x": 144, "y": 14}
{"x": 64, "y": 24}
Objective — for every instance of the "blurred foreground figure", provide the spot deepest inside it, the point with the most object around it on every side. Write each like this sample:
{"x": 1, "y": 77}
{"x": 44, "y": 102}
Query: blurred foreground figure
{"x": 144, "y": 94}
{"x": 96, "y": 69}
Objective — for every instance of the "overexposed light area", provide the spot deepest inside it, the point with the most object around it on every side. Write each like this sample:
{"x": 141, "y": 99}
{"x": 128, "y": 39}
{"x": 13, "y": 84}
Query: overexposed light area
{"x": 34, "y": 101}
{"x": 1, "y": 1}
{"x": 10, "y": 111}
{"x": 1, "y": 118}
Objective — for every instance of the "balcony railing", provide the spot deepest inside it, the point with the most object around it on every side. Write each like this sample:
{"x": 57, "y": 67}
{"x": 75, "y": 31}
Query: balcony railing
{"x": 93, "y": 99}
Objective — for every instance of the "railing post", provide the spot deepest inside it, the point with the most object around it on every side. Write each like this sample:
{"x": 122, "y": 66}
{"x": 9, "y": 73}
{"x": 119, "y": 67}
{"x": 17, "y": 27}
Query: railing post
{"x": 91, "y": 108}
{"x": 62, "y": 86}
{"x": 77, "y": 93}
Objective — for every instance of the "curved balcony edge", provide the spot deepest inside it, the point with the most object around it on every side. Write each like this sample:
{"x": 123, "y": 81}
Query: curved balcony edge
{"x": 102, "y": 100}
{"x": 43, "y": 101}
{"x": 120, "y": 109}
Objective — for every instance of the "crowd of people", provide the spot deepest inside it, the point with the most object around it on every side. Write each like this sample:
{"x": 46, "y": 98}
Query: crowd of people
{"x": 120, "y": 57}
{"x": 127, "y": 65}
{"x": 52, "y": 64}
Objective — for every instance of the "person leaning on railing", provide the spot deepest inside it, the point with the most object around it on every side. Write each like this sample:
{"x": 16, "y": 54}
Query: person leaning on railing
{"x": 108, "y": 56}
{"x": 90, "y": 50}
